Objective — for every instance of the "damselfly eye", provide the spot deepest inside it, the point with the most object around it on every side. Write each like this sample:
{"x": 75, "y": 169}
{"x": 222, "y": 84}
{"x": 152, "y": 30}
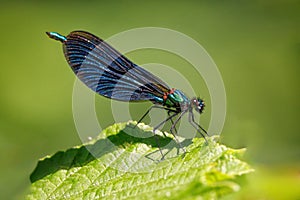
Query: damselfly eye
{"x": 198, "y": 104}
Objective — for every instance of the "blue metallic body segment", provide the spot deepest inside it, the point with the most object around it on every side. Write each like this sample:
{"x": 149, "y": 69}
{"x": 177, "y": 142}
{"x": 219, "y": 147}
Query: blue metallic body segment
{"x": 108, "y": 72}
{"x": 180, "y": 97}
{"x": 176, "y": 99}
{"x": 158, "y": 100}
{"x": 56, "y": 36}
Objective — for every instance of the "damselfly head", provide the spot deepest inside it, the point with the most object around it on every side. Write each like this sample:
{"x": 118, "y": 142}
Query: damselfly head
{"x": 198, "y": 104}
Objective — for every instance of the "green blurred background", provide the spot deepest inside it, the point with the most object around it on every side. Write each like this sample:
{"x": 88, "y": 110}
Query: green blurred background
{"x": 256, "y": 46}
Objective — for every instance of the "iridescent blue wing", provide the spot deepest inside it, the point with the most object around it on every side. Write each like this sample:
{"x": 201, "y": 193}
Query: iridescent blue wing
{"x": 107, "y": 72}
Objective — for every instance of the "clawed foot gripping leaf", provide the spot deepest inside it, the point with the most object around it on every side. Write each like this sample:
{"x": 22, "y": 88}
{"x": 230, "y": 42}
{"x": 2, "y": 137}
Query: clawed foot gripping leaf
{"x": 124, "y": 163}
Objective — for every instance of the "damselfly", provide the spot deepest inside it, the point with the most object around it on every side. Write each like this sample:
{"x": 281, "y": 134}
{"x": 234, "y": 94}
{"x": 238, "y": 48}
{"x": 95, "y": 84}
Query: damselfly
{"x": 109, "y": 73}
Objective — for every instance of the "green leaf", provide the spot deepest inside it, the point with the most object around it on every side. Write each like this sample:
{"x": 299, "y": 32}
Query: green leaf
{"x": 124, "y": 162}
